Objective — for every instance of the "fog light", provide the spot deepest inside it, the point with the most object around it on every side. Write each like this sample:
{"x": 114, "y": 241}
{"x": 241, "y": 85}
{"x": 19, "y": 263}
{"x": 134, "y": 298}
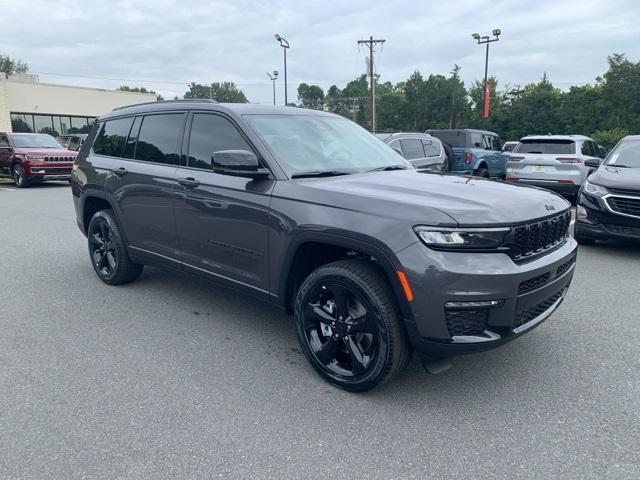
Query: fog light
{"x": 581, "y": 212}
{"x": 484, "y": 304}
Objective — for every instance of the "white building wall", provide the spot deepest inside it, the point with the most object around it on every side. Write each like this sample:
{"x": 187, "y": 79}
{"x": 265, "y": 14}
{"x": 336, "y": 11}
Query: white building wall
{"x": 32, "y": 97}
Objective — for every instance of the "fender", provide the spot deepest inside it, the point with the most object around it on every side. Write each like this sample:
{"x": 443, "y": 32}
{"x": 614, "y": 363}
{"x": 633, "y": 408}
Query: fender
{"x": 366, "y": 245}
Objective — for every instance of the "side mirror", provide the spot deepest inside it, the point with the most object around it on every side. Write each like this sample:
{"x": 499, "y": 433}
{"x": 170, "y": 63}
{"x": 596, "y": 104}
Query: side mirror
{"x": 239, "y": 163}
{"x": 592, "y": 162}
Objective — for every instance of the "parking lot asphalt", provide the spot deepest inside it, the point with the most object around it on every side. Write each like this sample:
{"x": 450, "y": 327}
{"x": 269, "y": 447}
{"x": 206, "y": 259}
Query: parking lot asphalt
{"x": 171, "y": 377}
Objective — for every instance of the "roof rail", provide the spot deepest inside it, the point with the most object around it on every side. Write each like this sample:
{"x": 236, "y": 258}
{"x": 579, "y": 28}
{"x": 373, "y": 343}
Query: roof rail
{"x": 208, "y": 100}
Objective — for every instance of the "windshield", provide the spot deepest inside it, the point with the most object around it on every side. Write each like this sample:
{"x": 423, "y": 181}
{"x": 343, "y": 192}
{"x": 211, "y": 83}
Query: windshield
{"x": 626, "y": 154}
{"x": 37, "y": 140}
{"x": 553, "y": 147}
{"x": 309, "y": 143}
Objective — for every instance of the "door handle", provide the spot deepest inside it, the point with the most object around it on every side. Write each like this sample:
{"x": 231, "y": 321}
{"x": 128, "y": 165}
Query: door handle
{"x": 189, "y": 182}
{"x": 120, "y": 171}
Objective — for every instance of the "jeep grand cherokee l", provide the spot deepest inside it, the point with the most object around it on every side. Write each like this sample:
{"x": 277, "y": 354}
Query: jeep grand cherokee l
{"x": 34, "y": 157}
{"x": 308, "y": 211}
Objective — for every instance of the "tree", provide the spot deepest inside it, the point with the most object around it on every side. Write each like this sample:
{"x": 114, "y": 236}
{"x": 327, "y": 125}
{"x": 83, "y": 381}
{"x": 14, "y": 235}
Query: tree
{"x": 311, "y": 96}
{"x": 223, "y": 92}
{"x": 126, "y": 88}
{"x": 11, "y": 66}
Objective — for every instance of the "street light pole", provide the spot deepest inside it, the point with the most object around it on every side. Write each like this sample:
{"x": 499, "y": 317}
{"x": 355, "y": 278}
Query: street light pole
{"x": 486, "y": 40}
{"x": 273, "y": 80}
{"x": 285, "y": 45}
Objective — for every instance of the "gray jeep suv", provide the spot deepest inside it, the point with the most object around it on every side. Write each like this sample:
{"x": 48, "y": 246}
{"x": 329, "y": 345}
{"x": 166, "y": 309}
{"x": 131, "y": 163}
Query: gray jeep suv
{"x": 308, "y": 211}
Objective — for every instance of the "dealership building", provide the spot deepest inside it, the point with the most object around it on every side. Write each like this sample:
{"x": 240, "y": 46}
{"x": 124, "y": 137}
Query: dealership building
{"x": 26, "y": 105}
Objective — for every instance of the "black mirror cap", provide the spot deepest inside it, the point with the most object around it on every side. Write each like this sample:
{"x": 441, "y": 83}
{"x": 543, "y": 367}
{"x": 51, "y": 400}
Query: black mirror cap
{"x": 592, "y": 162}
{"x": 239, "y": 163}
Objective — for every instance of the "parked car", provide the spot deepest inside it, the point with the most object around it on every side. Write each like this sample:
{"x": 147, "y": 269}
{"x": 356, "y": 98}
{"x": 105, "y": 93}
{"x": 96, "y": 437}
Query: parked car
{"x": 476, "y": 152}
{"x": 509, "y": 146}
{"x": 306, "y": 210}
{"x": 423, "y": 151}
{"x": 34, "y": 157}
{"x": 554, "y": 162}
{"x": 609, "y": 201}
{"x": 72, "y": 141}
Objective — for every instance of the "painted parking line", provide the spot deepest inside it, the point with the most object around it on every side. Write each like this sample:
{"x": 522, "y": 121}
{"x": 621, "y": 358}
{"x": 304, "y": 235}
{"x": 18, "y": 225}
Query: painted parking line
{"x": 6, "y": 189}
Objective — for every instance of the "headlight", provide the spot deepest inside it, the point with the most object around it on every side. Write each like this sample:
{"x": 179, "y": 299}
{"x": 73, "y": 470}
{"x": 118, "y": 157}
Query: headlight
{"x": 39, "y": 158}
{"x": 595, "y": 190}
{"x": 462, "y": 238}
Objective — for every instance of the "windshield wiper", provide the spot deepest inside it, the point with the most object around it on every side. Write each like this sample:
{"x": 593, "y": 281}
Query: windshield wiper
{"x": 615, "y": 165}
{"x": 319, "y": 173}
{"x": 388, "y": 168}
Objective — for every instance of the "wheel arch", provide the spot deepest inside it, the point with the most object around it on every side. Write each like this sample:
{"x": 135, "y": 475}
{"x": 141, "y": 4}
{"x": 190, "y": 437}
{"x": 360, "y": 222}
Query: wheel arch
{"x": 308, "y": 251}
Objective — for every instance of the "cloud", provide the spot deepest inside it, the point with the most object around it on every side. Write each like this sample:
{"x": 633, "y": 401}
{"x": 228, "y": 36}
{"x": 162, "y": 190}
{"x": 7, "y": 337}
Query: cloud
{"x": 172, "y": 43}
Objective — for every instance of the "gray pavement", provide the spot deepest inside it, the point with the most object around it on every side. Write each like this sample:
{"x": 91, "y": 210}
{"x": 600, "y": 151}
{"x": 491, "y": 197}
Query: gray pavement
{"x": 170, "y": 377}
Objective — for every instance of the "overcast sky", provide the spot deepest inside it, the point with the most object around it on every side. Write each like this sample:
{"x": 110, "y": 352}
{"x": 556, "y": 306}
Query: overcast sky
{"x": 162, "y": 45}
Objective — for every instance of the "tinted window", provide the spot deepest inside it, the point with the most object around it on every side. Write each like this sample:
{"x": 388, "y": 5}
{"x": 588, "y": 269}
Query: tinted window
{"x": 112, "y": 136}
{"x": 21, "y": 122}
{"x": 455, "y": 139}
{"x": 431, "y": 148}
{"x": 545, "y": 146}
{"x": 412, "y": 148}
{"x": 589, "y": 148}
{"x": 212, "y": 133}
{"x": 130, "y": 146}
{"x": 4, "y": 140}
{"x": 159, "y": 138}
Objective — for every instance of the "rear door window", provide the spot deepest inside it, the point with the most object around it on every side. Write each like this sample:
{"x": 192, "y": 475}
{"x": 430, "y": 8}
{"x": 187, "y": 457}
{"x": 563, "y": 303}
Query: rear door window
{"x": 553, "y": 147}
{"x": 112, "y": 137}
{"x": 432, "y": 148}
{"x": 477, "y": 140}
{"x": 160, "y": 138}
{"x": 412, "y": 148}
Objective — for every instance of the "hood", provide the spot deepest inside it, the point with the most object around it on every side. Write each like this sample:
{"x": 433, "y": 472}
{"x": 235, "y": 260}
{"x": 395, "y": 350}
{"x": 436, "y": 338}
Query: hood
{"x": 414, "y": 194}
{"x": 46, "y": 152}
{"x": 609, "y": 176}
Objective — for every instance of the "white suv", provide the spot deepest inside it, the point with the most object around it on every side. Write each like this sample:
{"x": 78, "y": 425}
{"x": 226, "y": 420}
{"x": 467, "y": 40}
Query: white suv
{"x": 555, "y": 162}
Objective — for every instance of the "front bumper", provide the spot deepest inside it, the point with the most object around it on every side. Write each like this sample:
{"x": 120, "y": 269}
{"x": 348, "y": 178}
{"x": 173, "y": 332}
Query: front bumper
{"x": 526, "y": 295}
{"x": 49, "y": 170}
{"x": 601, "y": 223}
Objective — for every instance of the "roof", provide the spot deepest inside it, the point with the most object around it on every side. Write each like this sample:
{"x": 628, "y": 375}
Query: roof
{"x": 456, "y": 130}
{"x": 555, "y": 137}
{"x": 389, "y": 136}
{"x": 206, "y": 104}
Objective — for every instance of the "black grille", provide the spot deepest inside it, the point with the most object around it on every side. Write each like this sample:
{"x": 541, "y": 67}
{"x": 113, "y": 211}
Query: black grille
{"x": 566, "y": 266}
{"x": 536, "y": 237}
{"x": 623, "y": 230}
{"x": 59, "y": 159}
{"x": 624, "y": 191}
{"x": 533, "y": 283}
{"x": 467, "y": 322}
{"x": 525, "y": 316}
{"x": 626, "y": 205}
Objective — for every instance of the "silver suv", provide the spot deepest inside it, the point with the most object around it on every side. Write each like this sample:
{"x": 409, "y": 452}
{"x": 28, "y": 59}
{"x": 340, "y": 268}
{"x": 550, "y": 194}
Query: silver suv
{"x": 424, "y": 151}
{"x": 555, "y": 162}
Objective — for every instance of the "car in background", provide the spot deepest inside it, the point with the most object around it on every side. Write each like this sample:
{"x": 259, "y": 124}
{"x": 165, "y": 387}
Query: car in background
{"x": 509, "y": 146}
{"x": 475, "y": 152}
{"x": 423, "y": 151}
{"x": 72, "y": 141}
{"x": 34, "y": 157}
{"x": 554, "y": 162}
{"x": 608, "y": 205}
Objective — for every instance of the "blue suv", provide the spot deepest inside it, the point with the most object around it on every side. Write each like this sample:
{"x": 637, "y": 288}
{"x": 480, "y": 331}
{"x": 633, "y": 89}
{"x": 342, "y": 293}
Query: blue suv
{"x": 475, "y": 152}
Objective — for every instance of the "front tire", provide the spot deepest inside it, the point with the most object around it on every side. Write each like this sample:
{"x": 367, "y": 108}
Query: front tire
{"x": 349, "y": 327}
{"x": 20, "y": 176}
{"x": 108, "y": 252}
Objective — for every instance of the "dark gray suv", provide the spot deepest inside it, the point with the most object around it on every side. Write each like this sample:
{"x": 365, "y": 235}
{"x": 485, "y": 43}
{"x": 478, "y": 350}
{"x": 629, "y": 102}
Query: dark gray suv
{"x": 308, "y": 211}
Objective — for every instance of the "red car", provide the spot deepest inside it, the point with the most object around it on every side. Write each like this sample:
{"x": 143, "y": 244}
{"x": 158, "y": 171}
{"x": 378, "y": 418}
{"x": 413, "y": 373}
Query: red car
{"x": 34, "y": 157}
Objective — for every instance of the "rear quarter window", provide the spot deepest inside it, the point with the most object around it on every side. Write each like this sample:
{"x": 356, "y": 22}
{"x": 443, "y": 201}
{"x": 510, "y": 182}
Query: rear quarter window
{"x": 553, "y": 147}
{"x": 112, "y": 136}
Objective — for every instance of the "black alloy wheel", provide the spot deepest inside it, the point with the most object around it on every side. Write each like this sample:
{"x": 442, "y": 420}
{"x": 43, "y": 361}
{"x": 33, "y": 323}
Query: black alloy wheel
{"x": 108, "y": 252}
{"x": 348, "y": 326}
{"x": 19, "y": 176}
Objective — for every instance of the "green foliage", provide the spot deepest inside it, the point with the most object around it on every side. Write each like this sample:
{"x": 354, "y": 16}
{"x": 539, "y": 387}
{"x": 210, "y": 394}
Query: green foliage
{"x": 11, "y": 66}
{"x": 606, "y": 110}
{"x": 223, "y": 92}
{"x": 127, "y": 88}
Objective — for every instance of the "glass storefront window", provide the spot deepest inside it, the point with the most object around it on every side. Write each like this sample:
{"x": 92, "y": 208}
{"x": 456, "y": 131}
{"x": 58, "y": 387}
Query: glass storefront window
{"x": 44, "y": 124}
{"x": 21, "y": 123}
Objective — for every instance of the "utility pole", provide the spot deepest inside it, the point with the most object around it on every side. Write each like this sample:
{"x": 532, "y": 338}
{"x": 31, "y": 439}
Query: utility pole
{"x": 486, "y": 40}
{"x": 371, "y": 43}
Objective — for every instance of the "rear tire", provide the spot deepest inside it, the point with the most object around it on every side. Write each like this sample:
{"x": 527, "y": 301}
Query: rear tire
{"x": 19, "y": 176}
{"x": 349, "y": 327}
{"x": 482, "y": 173}
{"x": 108, "y": 252}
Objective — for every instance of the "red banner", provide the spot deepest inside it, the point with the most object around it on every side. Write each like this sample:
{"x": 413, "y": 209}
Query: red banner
{"x": 487, "y": 100}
